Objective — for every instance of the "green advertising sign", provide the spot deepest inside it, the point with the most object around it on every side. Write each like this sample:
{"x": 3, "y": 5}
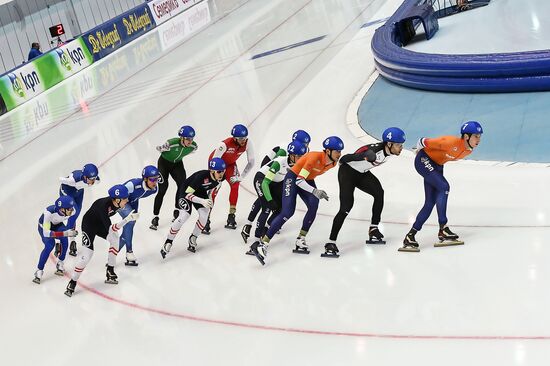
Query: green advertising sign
{"x": 31, "y": 79}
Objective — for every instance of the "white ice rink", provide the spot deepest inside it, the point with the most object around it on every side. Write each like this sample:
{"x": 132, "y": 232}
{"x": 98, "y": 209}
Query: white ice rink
{"x": 484, "y": 303}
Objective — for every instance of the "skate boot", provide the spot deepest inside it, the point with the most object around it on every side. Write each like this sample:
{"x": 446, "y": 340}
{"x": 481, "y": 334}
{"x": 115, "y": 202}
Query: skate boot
{"x": 447, "y": 238}
{"x": 131, "y": 259}
{"x": 409, "y": 243}
{"x": 70, "y": 288}
{"x": 38, "y": 276}
{"x": 59, "y": 270}
{"x": 192, "y": 244}
{"x": 231, "y": 223}
{"x": 112, "y": 278}
{"x": 301, "y": 246}
{"x": 375, "y": 236}
{"x": 176, "y": 215}
{"x": 206, "y": 230}
{"x": 166, "y": 248}
{"x": 259, "y": 249}
{"x": 154, "y": 223}
{"x": 331, "y": 251}
{"x": 72, "y": 249}
{"x": 245, "y": 232}
{"x": 57, "y": 250}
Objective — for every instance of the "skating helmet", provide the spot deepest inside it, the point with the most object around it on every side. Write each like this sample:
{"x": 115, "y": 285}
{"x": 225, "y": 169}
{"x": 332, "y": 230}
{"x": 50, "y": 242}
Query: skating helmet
{"x": 301, "y": 136}
{"x": 393, "y": 134}
{"x": 90, "y": 171}
{"x": 150, "y": 171}
{"x": 333, "y": 143}
{"x": 118, "y": 191}
{"x": 296, "y": 148}
{"x": 471, "y": 127}
{"x": 216, "y": 164}
{"x": 64, "y": 202}
{"x": 186, "y": 131}
{"x": 239, "y": 131}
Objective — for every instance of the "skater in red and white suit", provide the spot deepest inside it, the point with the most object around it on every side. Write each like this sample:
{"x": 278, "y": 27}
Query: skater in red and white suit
{"x": 230, "y": 150}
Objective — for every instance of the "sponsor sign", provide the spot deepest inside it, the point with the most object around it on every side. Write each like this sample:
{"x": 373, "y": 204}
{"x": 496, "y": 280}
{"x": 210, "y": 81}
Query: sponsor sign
{"x": 181, "y": 27}
{"x": 109, "y": 36}
{"x": 162, "y": 10}
{"x": 21, "y": 84}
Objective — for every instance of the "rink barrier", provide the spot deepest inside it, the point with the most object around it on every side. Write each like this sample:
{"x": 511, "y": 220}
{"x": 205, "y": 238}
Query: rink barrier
{"x": 30, "y": 79}
{"x": 497, "y": 72}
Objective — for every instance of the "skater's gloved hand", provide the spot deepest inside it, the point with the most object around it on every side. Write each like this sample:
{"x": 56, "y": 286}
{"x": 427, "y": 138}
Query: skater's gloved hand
{"x": 70, "y": 233}
{"x": 234, "y": 179}
{"x": 164, "y": 147}
{"x": 320, "y": 194}
{"x": 207, "y": 203}
{"x": 273, "y": 205}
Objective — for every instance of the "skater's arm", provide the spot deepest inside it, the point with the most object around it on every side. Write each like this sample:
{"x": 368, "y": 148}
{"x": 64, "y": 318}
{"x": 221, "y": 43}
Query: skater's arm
{"x": 220, "y": 150}
{"x": 274, "y": 153}
{"x": 69, "y": 180}
{"x": 250, "y": 158}
{"x": 367, "y": 155}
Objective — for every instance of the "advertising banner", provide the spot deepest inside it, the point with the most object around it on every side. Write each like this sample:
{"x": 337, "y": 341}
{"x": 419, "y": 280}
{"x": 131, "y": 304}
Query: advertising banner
{"x": 22, "y": 84}
{"x": 177, "y": 29}
{"x": 42, "y": 73}
{"x": 109, "y": 36}
{"x": 72, "y": 57}
{"x": 162, "y": 10}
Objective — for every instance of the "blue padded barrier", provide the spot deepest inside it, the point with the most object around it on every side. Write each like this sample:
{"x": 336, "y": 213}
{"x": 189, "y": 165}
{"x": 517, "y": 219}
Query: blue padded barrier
{"x": 501, "y": 72}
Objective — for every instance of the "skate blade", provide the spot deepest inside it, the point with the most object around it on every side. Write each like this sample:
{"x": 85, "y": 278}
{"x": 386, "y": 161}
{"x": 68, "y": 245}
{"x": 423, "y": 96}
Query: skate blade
{"x": 250, "y": 252}
{"x": 230, "y": 227}
{"x": 325, "y": 255}
{"x": 68, "y": 293}
{"x": 205, "y": 232}
{"x": 36, "y": 280}
{"x": 448, "y": 243}
{"x": 59, "y": 273}
{"x": 153, "y": 227}
{"x": 112, "y": 282}
{"x": 245, "y": 238}
{"x": 413, "y": 250}
{"x": 72, "y": 254}
{"x": 163, "y": 254}
{"x": 191, "y": 249}
{"x": 375, "y": 242}
{"x": 132, "y": 264}
{"x": 300, "y": 251}
{"x": 259, "y": 258}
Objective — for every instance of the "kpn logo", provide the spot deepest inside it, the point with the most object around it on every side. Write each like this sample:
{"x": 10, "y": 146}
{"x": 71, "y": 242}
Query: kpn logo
{"x": 64, "y": 59}
{"x": 23, "y": 82}
{"x": 17, "y": 85}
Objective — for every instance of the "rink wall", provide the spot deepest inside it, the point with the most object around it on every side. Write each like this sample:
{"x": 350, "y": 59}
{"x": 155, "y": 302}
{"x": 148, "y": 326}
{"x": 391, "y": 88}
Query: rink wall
{"x": 23, "y": 83}
{"x": 498, "y": 72}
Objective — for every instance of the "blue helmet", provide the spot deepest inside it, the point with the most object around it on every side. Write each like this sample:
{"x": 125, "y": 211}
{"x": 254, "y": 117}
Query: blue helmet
{"x": 239, "y": 131}
{"x": 186, "y": 131}
{"x": 216, "y": 164}
{"x": 296, "y": 148}
{"x": 471, "y": 127}
{"x": 118, "y": 191}
{"x": 393, "y": 134}
{"x": 333, "y": 143}
{"x": 64, "y": 202}
{"x": 150, "y": 171}
{"x": 90, "y": 171}
{"x": 301, "y": 136}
